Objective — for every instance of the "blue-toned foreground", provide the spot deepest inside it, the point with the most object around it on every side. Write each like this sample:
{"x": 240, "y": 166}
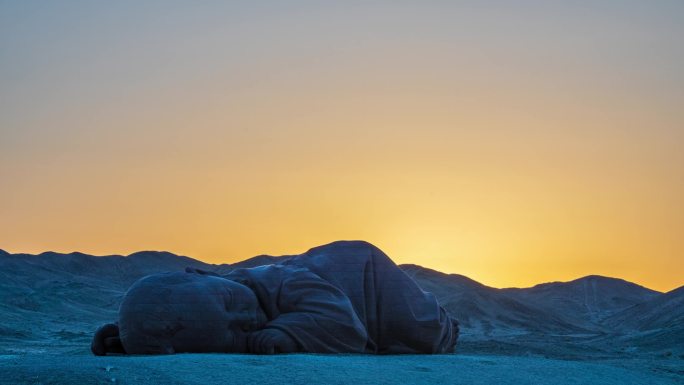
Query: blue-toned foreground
{"x": 45, "y": 368}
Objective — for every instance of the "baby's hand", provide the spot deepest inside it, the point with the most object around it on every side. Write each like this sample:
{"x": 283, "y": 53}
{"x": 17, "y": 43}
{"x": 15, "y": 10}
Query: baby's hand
{"x": 270, "y": 341}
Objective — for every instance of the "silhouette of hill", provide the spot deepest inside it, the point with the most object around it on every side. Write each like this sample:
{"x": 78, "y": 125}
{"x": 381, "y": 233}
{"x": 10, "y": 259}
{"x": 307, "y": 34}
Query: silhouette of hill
{"x": 586, "y": 301}
{"x": 665, "y": 311}
{"x": 653, "y": 324}
{"x": 485, "y": 310}
{"x": 259, "y": 260}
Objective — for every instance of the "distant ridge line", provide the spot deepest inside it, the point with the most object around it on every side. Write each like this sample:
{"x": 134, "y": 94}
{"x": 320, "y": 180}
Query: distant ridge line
{"x": 258, "y": 259}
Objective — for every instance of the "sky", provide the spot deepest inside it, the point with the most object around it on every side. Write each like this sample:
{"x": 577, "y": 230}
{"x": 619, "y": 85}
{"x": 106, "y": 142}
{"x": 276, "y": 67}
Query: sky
{"x": 511, "y": 142}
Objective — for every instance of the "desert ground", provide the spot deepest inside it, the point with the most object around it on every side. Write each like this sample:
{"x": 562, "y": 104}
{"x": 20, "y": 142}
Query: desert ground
{"x": 37, "y": 366}
{"x": 65, "y": 358}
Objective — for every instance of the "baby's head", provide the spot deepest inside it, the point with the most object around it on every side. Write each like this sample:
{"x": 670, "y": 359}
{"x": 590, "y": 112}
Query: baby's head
{"x": 187, "y": 312}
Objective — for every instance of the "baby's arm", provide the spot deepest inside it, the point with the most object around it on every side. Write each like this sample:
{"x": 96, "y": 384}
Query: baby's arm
{"x": 315, "y": 315}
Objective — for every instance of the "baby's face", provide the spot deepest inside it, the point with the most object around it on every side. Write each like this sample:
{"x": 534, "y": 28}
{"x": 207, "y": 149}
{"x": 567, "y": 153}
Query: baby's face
{"x": 187, "y": 312}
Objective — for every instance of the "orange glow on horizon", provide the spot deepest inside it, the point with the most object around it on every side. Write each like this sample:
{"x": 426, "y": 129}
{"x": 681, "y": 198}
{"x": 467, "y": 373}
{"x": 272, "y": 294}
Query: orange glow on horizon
{"x": 511, "y": 144}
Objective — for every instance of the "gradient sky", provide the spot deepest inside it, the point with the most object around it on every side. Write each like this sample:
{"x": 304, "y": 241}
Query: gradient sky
{"x": 512, "y": 142}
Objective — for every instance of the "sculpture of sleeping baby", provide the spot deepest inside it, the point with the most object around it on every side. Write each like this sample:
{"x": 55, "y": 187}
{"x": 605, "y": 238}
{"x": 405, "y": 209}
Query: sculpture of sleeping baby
{"x": 344, "y": 297}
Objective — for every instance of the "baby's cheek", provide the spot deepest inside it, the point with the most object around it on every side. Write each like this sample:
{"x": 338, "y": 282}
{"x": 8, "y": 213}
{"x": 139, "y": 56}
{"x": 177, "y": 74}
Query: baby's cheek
{"x": 201, "y": 339}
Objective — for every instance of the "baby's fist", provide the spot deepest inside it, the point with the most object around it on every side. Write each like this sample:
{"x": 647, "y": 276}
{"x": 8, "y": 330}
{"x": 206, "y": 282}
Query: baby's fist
{"x": 270, "y": 341}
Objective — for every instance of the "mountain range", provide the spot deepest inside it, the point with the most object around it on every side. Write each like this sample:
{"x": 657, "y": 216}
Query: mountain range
{"x": 54, "y": 298}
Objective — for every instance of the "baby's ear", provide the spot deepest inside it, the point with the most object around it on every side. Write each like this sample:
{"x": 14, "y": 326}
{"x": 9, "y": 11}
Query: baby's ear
{"x": 106, "y": 340}
{"x": 114, "y": 345}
